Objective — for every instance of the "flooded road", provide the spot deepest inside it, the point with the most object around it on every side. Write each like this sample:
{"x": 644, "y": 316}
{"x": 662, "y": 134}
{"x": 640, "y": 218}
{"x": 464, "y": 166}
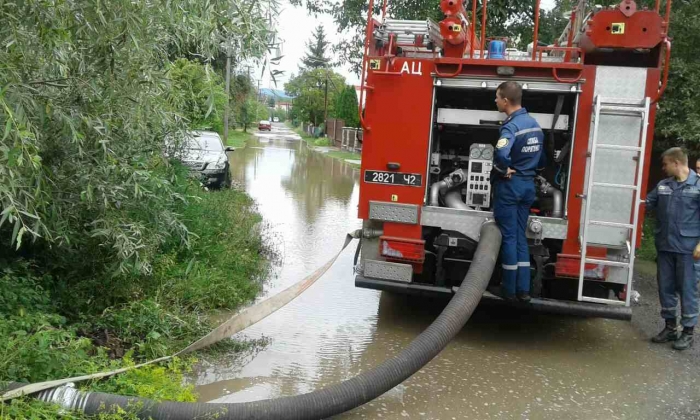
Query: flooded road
{"x": 503, "y": 365}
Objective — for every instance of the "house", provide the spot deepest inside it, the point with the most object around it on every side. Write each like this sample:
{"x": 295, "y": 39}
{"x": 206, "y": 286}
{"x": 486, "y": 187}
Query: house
{"x": 282, "y": 100}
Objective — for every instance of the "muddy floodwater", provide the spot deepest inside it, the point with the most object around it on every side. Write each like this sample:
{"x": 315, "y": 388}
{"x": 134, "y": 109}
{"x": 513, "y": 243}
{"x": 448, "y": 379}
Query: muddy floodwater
{"x": 503, "y": 365}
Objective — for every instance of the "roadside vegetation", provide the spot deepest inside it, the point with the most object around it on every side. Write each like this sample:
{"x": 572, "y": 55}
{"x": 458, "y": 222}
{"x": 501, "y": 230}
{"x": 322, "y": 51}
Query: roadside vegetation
{"x": 110, "y": 254}
{"x": 345, "y": 156}
{"x": 238, "y": 139}
{"x": 325, "y": 142}
{"x": 310, "y": 140}
{"x": 647, "y": 250}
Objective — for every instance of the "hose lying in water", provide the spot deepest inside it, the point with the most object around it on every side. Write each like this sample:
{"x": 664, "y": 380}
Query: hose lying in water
{"x": 334, "y": 399}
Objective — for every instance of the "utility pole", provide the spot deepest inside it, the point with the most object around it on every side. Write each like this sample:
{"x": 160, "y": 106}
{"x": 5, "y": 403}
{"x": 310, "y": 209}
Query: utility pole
{"x": 325, "y": 103}
{"x": 228, "y": 93}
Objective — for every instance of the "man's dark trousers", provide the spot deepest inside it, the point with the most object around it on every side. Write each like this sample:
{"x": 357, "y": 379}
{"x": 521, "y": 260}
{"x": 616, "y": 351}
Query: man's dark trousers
{"x": 676, "y": 275}
{"x": 513, "y": 199}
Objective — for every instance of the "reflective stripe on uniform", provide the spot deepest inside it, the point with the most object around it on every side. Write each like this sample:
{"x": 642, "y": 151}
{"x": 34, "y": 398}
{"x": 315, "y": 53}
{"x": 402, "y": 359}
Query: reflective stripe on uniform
{"x": 689, "y": 316}
{"x": 528, "y": 130}
{"x": 509, "y": 267}
{"x": 524, "y": 264}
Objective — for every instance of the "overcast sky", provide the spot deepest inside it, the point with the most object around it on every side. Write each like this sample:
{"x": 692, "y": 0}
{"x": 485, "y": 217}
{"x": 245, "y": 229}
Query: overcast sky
{"x": 296, "y": 27}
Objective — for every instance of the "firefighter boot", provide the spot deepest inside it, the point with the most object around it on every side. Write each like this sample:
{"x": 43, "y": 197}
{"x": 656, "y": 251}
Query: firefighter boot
{"x": 685, "y": 341}
{"x": 524, "y": 297}
{"x": 500, "y": 292}
{"x": 669, "y": 333}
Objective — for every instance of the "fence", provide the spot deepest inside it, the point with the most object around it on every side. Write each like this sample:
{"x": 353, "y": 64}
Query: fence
{"x": 334, "y": 131}
{"x": 308, "y": 128}
{"x": 350, "y": 140}
{"x": 345, "y": 138}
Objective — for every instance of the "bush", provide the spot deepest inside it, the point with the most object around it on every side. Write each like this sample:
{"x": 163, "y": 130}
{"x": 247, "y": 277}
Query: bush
{"x": 216, "y": 271}
{"x": 198, "y": 93}
{"x": 647, "y": 249}
{"x": 51, "y": 332}
{"x": 36, "y": 342}
{"x": 346, "y": 107}
{"x": 93, "y": 218}
{"x": 150, "y": 328}
{"x": 157, "y": 382}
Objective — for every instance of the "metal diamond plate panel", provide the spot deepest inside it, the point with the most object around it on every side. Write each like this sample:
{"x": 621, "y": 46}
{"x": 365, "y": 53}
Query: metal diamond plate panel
{"x": 620, "y": 82}
{"x": 621, "y": 130}
{"x": 388, "y": 271}
{"x": 615, "y": 84}
{"x": 552, "y": 228}
{"x": 615, "y": 166}
{"x": 465, "y": 222}
{"x": 469, "y": 222}
{"x": 393, "y": 212}
{"x": 610, "y": 205}
{"x": 617, "y": 275}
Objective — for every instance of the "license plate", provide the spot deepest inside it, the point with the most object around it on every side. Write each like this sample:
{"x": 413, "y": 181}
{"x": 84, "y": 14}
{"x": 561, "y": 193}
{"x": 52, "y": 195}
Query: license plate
{"x": 393, "y": 178}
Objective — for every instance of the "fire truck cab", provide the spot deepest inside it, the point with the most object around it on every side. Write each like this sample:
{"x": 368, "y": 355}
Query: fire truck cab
{"x": 430, "y": 126}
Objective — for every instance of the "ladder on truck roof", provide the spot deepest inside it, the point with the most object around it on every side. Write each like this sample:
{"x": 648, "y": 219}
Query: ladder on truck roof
{"x": 611, "y": 200}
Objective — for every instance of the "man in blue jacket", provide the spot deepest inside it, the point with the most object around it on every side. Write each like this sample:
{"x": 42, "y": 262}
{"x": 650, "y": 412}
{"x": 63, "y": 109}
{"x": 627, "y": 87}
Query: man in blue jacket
{"x": 677, "y": 239}
{"x": 519, "y": 154}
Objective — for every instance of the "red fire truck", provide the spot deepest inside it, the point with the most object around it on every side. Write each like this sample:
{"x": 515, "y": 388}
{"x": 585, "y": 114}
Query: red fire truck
{"x": 429, "y": 129}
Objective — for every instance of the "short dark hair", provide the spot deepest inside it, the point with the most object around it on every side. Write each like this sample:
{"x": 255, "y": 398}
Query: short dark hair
{"x": 677, "y": 154}
{"x": 511, "y": 91}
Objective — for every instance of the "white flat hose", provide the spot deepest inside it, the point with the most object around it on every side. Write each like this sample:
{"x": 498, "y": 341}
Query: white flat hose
{"x": 233, "y": 325}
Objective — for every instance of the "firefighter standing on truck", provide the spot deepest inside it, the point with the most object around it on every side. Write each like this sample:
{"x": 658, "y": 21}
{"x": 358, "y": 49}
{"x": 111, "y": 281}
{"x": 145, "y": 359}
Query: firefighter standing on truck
{"x": 677, "y": 239}
{"x": 519, "y": 154}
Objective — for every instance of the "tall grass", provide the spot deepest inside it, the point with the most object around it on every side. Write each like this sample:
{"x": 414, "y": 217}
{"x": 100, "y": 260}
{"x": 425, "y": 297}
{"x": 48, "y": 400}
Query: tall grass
{"x": 49, "y": 331}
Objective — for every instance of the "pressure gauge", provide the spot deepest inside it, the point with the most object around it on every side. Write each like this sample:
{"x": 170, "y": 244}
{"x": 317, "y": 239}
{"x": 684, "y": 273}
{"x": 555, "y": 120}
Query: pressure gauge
{"x": 475, "y": 153}
{"x": 487, "y": 154}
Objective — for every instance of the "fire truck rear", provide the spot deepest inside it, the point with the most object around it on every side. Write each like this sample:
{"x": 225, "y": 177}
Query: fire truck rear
{"x": 430, "y": 126}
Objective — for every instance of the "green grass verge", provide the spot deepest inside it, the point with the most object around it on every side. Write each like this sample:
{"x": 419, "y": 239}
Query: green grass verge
{"x": 314, "y": 142}
{"x": 346, "y": 155}
{"x": 47, "y": 332}
{"x": 238, "y": 139}
{"x": 310, "y": 140}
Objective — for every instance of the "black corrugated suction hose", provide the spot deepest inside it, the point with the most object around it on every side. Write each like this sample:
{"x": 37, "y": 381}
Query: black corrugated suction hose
{"x": 334, "y": 399}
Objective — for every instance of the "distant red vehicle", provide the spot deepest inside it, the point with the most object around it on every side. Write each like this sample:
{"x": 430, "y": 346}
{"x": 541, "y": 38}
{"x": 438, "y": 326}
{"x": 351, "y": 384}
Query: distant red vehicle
{"x": 264, "y": 125}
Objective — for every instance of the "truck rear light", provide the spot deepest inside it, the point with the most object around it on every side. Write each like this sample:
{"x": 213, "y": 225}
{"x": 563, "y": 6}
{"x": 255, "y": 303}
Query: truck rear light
{"x": 570, "y": 266}
{"x": 402, "y": 249}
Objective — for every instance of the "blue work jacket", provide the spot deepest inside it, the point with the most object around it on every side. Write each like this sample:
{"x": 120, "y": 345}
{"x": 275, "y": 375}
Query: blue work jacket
{"x": 521, "y": 145}
{"x": 677, "y": 214}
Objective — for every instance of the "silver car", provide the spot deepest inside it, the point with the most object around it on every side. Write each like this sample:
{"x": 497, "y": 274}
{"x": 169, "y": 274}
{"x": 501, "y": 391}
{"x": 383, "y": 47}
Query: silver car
{"x": 204, "y": 153}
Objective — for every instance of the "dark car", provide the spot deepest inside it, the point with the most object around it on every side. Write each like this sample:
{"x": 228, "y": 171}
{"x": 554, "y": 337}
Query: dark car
{"x": 204, "y": 154}
{"x": 265, "y": 125}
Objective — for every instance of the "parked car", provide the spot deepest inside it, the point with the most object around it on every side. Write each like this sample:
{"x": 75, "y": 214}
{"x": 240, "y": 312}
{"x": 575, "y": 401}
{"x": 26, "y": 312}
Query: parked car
{"x": 265, "y": 125}
{"x": 276, "y": 119}
{"x": 204, "y": 154}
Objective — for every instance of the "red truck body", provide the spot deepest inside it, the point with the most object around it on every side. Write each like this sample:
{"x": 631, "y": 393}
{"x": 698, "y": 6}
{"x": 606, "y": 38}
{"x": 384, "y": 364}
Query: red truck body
{"x": 429, "y": 114}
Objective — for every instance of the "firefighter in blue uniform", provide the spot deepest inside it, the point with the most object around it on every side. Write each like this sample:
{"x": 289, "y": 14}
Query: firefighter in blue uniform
{"x": 677, "y": 238}
{"x": 519, "y": 154}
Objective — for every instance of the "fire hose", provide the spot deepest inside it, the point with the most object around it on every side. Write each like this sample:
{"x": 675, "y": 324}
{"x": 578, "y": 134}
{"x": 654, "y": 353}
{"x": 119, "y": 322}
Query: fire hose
{"x": 323, "y": 403}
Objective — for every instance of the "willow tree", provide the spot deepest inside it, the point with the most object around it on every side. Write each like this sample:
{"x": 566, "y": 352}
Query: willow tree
{"x": 85, "y": 103}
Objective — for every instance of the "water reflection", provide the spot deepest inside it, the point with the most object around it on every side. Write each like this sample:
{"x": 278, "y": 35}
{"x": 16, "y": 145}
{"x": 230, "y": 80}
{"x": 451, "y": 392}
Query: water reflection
{"x": 310, "y": 202}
